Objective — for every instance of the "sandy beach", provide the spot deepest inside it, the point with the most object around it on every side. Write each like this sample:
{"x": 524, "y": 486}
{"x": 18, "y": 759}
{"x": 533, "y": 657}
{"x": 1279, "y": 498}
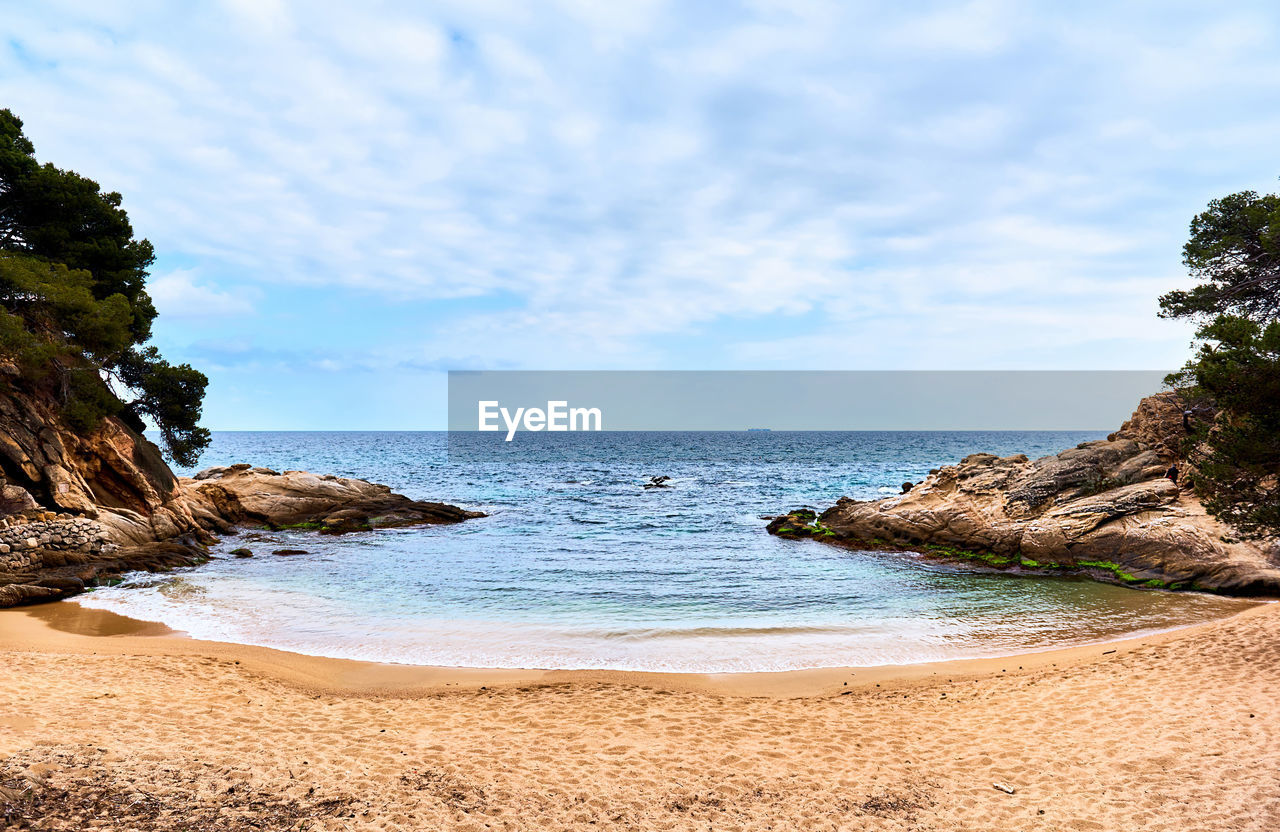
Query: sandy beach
{"x": 115, "y": 724}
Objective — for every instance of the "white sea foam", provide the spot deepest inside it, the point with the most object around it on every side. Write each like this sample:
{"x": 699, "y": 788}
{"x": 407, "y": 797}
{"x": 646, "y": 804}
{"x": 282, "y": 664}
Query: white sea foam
{"x": 301, "y": 623}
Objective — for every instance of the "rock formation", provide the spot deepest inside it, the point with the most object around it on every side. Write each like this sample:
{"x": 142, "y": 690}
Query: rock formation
{"x": 1105, "y": 509}
{"x": 77, "y": 510}
{"x": 329, "y": 504}
{"x": 111, "y": 475}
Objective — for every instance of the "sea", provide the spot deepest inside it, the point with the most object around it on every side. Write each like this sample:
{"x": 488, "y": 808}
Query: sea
{"x": 578, "y": 566}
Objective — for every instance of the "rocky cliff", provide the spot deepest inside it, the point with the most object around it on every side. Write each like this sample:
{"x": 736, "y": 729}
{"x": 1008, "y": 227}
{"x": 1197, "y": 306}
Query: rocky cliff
{"x": 79, "y": 509}
{"x": 1105, "y": 509}
{"x": 111, "y": 475}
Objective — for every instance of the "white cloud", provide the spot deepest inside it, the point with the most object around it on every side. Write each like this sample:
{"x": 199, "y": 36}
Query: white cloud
{"x": 177, "y": 295}
{"x": 617, "y": 179}
{"x": 979, "y": 26}
{"x": 264, "y": 16}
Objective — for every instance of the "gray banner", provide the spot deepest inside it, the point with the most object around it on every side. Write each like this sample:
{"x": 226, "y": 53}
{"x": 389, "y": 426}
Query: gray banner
{"x": 511, "y": 402}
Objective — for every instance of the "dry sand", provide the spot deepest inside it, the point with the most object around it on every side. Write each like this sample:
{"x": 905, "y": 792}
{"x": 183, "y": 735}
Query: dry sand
{"x": 120, "y": 725}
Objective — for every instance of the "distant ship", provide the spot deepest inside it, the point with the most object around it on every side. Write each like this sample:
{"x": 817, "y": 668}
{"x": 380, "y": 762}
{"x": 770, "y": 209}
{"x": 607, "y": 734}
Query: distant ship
{"x": 758, "y": 430}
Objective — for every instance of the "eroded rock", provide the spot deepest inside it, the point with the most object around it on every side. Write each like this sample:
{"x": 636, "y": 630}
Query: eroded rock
{"x": 299, "y": 499}
{"x": 1103, "y": 508}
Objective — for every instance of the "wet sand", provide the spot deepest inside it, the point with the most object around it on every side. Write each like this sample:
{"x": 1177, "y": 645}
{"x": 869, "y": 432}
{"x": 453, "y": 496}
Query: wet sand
{"x": 131, "y": 726}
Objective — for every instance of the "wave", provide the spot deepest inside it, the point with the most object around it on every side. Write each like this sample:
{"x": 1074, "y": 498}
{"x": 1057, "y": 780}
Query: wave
{"x": 298, "y": 622}
{"x": 706, "y": 632}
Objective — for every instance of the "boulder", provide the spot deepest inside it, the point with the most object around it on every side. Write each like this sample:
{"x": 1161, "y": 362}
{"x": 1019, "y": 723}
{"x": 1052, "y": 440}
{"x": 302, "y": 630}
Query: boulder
{"x": 333, "y": 505}
{"x": 15, "y": 499}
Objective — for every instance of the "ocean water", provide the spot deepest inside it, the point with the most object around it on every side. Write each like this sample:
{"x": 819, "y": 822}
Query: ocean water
{"x": 579, "y": 566}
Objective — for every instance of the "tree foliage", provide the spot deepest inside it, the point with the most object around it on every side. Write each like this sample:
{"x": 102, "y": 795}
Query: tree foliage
{"x": 73, "y": 300}
{"x": 166, "y": 394}
{"x": 1234, "y": 250}
{"x": 1237, "y": 454}
{"x": 55, "y": 302}
{"x": 62, "y": 217}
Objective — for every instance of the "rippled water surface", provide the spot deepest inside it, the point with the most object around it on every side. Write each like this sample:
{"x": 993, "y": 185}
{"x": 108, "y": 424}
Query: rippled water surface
{"x": 579, "y": 566}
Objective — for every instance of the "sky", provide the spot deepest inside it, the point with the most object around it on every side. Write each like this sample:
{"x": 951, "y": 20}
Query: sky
{"x": 347, "y": 200}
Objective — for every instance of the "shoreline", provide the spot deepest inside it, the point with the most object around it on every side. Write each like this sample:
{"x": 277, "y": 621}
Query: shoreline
{"x": 1171, "y": 731}
{"x": 68, "y": 628}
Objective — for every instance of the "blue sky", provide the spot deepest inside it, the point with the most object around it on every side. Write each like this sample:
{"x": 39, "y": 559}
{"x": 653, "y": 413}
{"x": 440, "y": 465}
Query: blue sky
{"x": 348, "y": 199}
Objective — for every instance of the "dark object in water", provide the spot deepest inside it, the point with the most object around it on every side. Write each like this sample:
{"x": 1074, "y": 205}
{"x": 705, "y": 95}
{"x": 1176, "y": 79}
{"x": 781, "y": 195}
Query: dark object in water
{"x": 657, "y": 482}
{"x": 289, "y": 552}
{"x": 242, "y": 553}
{"x": 907, "y": 486}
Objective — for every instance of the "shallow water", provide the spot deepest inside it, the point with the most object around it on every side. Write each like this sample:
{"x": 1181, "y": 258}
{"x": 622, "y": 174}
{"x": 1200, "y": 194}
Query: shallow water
{"x": 579, "y": 566}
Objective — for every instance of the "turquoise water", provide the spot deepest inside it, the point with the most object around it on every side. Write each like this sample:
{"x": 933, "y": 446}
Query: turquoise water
{"x": 579, "y": 566}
